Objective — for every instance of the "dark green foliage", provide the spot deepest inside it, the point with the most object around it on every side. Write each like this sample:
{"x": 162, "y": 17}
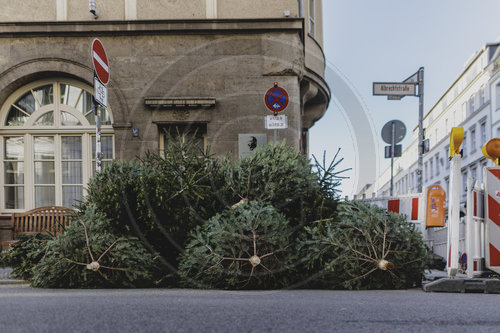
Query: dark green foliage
{"x": 324, "y": 203}
{"x": 160, "y": 198}
{"x": 114, "y": 192}
{"x": 218, "y": 254}
{"x": 277, "y": 175}
{"x": 328, "y": 178}
{"x": 124, "y": 261}
{"x": 23, "y": 255}
{"x": 147, "y": 207}
{"x": 347, "y": 251}
{"x": 189, "y": 187}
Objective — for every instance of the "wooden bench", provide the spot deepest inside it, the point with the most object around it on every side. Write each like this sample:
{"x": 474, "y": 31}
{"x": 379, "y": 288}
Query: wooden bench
{"x": 50, "y": 219}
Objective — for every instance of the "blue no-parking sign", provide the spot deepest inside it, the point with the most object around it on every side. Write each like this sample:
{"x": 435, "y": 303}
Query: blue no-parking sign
{"x": 276, "y": 99}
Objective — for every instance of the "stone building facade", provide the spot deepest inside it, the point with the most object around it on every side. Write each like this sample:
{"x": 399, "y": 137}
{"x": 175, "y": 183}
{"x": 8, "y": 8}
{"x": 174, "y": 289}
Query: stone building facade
{"x": 198, "y": 64}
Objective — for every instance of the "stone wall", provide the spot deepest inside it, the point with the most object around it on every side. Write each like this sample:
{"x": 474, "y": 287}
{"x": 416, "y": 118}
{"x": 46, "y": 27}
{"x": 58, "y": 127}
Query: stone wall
{"x": 235, "y": 63}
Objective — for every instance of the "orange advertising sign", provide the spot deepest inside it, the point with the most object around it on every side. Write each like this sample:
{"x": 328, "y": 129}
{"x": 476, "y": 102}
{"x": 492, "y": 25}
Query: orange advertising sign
{"x": 435, "y": 212}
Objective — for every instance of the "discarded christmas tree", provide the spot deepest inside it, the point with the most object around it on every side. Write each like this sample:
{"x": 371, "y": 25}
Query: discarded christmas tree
{"x": 160, "y": 198}
{"x": 366, "y": 247}
{"x": 246, "y": 248}
{"x": 24, "y": 254}
{"x": 88, "y": 255}
{"x": 277, "y": 175}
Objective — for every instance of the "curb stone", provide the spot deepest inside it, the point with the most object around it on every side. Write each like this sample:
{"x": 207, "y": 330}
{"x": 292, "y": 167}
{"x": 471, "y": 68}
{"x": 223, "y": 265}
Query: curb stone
{"x": 478, "y": 285}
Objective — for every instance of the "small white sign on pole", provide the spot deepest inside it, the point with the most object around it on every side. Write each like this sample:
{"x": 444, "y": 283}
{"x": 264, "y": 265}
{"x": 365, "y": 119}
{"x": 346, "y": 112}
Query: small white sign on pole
{"x": 100, "y": 92}
{"x": 394, "y": 89}
{"x": 276, "y": 122}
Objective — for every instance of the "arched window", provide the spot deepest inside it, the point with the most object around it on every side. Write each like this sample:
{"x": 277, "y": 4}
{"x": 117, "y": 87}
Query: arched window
{"x": 47, "y": 144}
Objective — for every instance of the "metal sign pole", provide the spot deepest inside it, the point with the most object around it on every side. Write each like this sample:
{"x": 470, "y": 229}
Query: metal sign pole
{"x": 420, "y": 128}
{"x": 393, "y": 148}
{"x": 101, "y": 79}
{"x": 98, "y": 157}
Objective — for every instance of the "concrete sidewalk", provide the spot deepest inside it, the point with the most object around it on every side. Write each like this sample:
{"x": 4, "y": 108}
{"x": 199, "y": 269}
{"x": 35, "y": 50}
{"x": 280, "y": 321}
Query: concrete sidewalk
{"x": 6, "y": 279}
{"x": 438, "y": 281}
{"x": 434, "y": 274}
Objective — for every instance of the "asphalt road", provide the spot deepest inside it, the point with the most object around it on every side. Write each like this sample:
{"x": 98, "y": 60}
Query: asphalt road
{"x": 24, "y": 309}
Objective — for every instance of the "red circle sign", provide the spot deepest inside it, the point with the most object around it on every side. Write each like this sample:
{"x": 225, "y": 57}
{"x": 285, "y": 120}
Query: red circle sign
{"x": 100, "y": 61}
{"x": 276, "y": 99}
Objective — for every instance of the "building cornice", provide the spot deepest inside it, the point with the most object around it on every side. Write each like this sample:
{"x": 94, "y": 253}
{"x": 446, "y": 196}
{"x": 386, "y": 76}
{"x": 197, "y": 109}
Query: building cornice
{"x": 148, "y": 27}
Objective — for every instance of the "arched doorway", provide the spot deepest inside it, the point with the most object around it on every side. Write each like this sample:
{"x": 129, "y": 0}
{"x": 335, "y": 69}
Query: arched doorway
{"x": 47, "y": 144}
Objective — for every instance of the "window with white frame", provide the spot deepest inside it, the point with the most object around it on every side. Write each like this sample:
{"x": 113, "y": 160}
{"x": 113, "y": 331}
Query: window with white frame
{"x": 47, "y": 138}
{"x": 312, "y": 18}
{"x": 482, "y": 131}
{"x": 484, "y": 164}
{"x": 482, "y": 96}
{"x": 464, "y": 146}
{"x": 437, "y": 165}
{"x": 464, "y": 181}
{"x": 431, "y": 162}
{"x": 446, "y": 154}
{"x": 471, "y": 105}
{"x": 473, "y": 140}
{"x": 473, "y": 172}
{"x": 497, "y": 91}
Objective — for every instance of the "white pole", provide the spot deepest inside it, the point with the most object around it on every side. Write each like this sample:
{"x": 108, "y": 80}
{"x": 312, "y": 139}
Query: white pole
{"x": 393, "y": 147}
{"x": 98, "y": 153}
{"x": 422, "y": 212}
{"x": 477, "y": 228}
{"x": 469, "y": 233}
{"x": 454, "y": 216}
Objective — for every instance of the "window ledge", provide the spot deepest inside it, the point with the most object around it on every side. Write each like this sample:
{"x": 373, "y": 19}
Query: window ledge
{"x": 122, "y": 125}
{"x": 179, "y": 102}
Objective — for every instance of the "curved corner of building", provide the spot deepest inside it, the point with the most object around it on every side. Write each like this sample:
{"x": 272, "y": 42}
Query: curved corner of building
{"x": 314, "y": 89}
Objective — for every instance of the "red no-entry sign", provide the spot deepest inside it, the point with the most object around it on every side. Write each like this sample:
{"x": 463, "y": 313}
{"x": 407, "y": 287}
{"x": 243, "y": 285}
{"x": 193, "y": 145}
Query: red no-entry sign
{"x": 100, "y": 61}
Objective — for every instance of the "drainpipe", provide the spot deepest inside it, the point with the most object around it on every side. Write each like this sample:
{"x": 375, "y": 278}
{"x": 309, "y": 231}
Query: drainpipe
{"x": 301, "y": 8}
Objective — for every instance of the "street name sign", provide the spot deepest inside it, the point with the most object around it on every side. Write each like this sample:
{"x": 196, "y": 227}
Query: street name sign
{"x": 276, "y": 122}
{"x": 394, "y": 89}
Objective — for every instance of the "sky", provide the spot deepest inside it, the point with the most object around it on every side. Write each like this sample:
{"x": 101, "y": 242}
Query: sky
{"x": 368, "y": 41}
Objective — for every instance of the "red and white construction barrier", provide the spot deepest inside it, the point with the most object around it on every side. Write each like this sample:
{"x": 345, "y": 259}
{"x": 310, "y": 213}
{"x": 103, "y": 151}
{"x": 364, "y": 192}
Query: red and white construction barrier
{"x": 492, "y": 232}
{"x": 411, "y": 205}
